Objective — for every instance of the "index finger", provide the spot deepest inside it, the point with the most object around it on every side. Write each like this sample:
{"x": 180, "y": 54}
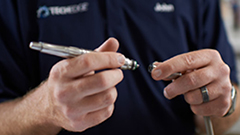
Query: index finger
{"x": 181, "y": 63}
{"x": 78, "y": 66}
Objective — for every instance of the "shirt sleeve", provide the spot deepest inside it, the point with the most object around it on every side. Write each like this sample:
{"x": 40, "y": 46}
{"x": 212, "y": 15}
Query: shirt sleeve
{"x": 213, "y": 35}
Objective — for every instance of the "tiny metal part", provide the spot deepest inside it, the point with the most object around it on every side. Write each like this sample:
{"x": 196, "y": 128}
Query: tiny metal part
{"x": 174, "y": 76}
{"x": 70, "y": 52}
{"x": 208, "y": 125}
{"x": 151, "y": 67}
{"x": 136, "y": 65}
{"x": 130, "y": 64}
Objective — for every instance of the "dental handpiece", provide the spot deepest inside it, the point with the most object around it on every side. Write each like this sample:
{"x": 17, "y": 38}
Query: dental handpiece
{"x": 70, "y": 52}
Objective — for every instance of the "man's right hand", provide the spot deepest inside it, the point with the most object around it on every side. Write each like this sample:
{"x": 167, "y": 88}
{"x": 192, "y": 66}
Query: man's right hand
{"x": 76, "y": 97}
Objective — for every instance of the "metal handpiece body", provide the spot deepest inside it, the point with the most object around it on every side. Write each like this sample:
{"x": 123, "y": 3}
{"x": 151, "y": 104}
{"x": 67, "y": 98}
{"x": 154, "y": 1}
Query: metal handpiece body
{"x": 70, "y": 52}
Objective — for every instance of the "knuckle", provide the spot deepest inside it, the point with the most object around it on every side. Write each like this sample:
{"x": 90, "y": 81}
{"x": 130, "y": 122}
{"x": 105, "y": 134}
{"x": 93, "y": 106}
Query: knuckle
{"x": 102, "y": 81}
{"x": 76, "y": 120}
{"x": 226, "y": 90}
{"x": 85, "y": 60}
{"x": 191, "y": 99}
{"x": 170, "y": 67}
{"x": 209, "y": 75}
{"x": 226, "y": 102}
{"x": 78, "y": 125}
{"x": 55, "y": 72}
{"x": 109, "y": 97}
{"x": 225, "y": 105}
{"x": 228, "y": 87}
{"x": 189, "y": 60}
{"x": 221, "y": 108}
{"x": 224, "y": 69}
{"x": 67, "y": 112}
{"x": 109, "y": 111}
{"x": 79, "y": 86}
{"x": 111, "y": 59}
{"x": 215, "y": 54}
{"x": 59, "y": 96}
{"x": 191, "y": 79}
{"x": 60, "y": 69}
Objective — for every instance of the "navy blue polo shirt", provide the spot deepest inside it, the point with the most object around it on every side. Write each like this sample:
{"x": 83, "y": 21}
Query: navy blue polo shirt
{"x": 148, "y": 30}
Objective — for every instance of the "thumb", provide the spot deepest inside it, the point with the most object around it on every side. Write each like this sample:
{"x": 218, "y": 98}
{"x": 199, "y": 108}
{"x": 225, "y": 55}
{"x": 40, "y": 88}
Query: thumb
{"x": 111, "y": 44}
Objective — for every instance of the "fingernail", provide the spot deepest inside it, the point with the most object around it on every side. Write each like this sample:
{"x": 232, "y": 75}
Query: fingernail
{"x": 157, "y": 73}
{"x": 121, "y": 59}
{"x": 165, "y": 93}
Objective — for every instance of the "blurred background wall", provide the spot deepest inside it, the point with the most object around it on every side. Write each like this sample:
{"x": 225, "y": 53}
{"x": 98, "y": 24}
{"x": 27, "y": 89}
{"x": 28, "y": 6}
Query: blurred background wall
{"x": 231, "y": 16}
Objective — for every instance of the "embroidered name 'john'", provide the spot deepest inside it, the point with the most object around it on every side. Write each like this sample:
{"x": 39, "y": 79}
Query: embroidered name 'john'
{"x": 164, "y": 7}
{"x": 45, "y": 11}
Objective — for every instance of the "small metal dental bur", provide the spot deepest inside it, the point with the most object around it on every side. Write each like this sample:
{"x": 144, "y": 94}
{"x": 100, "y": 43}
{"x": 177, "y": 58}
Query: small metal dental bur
{"x": 70, "y": 52}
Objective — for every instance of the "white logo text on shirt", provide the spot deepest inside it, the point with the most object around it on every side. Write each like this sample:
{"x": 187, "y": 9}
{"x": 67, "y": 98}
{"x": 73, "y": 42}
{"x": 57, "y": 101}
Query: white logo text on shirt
{"x": 164, "y": 7}
{"x": 45, "y": 11}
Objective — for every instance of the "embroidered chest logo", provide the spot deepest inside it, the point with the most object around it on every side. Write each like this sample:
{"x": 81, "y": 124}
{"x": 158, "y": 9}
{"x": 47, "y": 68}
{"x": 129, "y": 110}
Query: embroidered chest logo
{"x": 164, "y": 7}
{"x": 45, "y": 11}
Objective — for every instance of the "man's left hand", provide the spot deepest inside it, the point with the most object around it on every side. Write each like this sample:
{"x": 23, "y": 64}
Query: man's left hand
{"x": 199, "y": 68}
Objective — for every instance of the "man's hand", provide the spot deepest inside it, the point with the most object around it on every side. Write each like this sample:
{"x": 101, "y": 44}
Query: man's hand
{"x": 77, "y": 97}
{"x": 199, "y": 68}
